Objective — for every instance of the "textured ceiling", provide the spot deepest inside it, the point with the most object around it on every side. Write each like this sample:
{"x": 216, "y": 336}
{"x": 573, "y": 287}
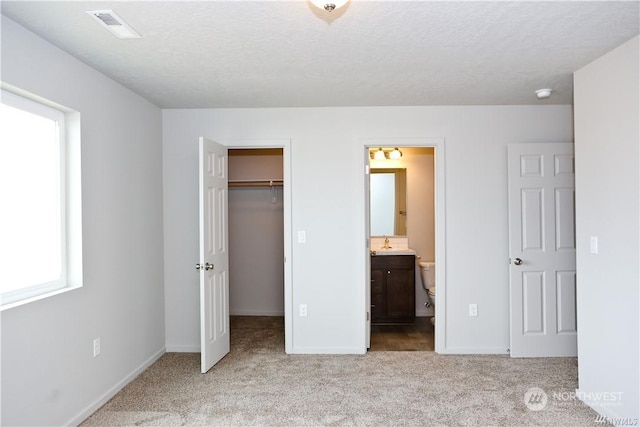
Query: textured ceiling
{"x": 197, "y": 54}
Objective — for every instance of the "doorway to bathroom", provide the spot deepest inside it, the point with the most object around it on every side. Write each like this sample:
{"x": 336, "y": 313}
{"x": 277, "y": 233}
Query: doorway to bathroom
{"x": 415, "y": 221}
{"x": 256, "y": 246}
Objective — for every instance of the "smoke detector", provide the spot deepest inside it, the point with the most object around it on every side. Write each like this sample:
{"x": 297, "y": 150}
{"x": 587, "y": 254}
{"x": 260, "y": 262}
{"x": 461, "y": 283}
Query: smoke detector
{"x": 543, "y": 93}
{"x": 112, "y": 22}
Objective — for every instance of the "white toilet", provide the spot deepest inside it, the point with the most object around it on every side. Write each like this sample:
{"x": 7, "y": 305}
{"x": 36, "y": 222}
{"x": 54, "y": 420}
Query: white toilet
{"x": 428, "y": 278}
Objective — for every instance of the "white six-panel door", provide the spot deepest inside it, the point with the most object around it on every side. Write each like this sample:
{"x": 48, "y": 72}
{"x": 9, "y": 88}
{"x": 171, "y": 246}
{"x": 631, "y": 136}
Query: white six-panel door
{"x": 542, "y": 250}
{"x": 214, "y": 254}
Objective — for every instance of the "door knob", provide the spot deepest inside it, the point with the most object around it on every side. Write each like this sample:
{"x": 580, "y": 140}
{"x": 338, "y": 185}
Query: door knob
{"x": 208, "y": 266}
{"x": 198, "y": 266}
{"x": 517, "y": 261}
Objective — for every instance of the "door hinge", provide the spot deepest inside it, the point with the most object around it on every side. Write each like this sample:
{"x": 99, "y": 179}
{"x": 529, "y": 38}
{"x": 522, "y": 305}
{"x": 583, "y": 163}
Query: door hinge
{"x": 367, "y": 316}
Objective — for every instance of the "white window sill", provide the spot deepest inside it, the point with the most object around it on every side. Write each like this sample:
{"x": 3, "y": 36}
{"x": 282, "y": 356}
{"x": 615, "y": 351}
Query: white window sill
{"x": 39, "y": 297}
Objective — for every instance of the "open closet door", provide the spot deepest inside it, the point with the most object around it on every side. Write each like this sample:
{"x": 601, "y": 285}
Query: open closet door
{"x": 214, "y": 254}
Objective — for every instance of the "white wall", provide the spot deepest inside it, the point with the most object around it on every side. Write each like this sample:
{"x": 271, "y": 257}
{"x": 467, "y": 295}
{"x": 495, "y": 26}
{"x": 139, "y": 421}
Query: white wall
{"x": 256, "y": 235}
{"x": 607, "y": 126}
{"x": 49, "y": 375}
{"x": 328, "y": 202}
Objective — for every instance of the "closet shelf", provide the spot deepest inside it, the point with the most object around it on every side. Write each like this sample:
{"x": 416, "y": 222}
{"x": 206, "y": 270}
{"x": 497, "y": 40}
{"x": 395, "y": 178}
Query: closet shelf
{"x": 255, "y": 183}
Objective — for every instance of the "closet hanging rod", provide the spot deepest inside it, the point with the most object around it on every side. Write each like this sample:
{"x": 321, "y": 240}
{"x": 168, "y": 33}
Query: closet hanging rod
{"x": 255, "y": 183}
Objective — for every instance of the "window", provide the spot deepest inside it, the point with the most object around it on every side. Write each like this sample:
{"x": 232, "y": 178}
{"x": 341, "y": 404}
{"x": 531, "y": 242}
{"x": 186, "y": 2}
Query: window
{"x": 38, "y": 220}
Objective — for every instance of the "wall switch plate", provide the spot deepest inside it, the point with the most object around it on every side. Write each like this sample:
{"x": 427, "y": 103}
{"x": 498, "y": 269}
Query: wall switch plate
{"x": 473, "y": 310}
{"x": 594, "y": 245}
{"x": 303, "y": 310}
{"x": 96, "y": 347}
{"x": 302, "y": 236}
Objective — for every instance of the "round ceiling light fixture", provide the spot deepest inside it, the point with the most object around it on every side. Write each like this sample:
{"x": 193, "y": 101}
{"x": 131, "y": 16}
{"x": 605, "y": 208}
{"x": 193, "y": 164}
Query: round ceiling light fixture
{"x": 329, "y": 5}
{"x": 543, "y": 93}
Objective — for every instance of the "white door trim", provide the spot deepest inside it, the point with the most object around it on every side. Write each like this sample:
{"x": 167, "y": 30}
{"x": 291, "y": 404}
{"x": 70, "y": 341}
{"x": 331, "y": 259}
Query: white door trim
{"x": 440, "y": 228}
{"x": 285, "y": 144}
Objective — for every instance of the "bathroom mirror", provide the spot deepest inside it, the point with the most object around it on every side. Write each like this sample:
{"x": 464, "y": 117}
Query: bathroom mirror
{"x": 388, "y": 202}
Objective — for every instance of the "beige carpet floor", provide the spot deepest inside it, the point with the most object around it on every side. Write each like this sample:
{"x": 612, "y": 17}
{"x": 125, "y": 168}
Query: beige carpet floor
{"x": 257, "y": 384}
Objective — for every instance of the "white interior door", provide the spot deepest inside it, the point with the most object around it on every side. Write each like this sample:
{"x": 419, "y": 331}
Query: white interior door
{"x": 214, "y": 254}
{"x": 367, "y": 233}
{"x": 542, "y": 250}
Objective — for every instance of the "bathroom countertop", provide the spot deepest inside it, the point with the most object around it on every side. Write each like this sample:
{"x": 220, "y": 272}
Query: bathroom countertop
{"x": 392, "y": 251}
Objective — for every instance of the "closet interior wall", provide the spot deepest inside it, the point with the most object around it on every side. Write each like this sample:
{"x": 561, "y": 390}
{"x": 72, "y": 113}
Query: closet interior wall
{"x": 256, "y": 233}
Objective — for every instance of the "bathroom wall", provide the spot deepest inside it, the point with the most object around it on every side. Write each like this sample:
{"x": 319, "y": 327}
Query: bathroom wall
{"x": 256, "y": 245}
{"x": 419, "y": 163}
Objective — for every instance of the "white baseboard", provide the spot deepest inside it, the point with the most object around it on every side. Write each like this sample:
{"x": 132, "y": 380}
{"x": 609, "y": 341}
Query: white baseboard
{"x": 474, "y": 350}
{"x": 333, "y": 350}
{"x": 86, "y": 413}
{"x": 256, "y": 313}
{"x": 425, "y": 312}
{"x": 183, "y": 349}
{"x": 611, "y": 413}
{"x": 421, "y": 313}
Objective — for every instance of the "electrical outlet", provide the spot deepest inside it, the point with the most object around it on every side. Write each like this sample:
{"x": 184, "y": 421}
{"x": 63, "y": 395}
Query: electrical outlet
{"x": 96, "y": 347}
{"x": 303, "y": 310}
{"x": 473, "y": 310}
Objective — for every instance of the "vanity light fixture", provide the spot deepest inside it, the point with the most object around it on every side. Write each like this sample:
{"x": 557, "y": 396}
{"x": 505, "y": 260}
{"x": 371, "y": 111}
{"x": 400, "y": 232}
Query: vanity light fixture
{"x": 381, "y": 154}
{"x": 395, "y": 154}
{"x": 329, "y": 5}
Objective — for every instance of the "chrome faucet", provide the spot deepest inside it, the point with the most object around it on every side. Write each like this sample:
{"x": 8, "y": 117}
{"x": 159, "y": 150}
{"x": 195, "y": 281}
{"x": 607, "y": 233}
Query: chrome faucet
{"x": 386, "y": 243}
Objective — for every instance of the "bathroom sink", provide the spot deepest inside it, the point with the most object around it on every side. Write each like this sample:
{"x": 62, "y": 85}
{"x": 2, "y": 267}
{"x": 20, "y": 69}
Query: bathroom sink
{"x": 393, "y": 251}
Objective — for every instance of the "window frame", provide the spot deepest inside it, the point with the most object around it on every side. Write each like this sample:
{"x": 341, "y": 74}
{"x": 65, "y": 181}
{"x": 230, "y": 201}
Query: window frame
{"x": 69, "y": 279}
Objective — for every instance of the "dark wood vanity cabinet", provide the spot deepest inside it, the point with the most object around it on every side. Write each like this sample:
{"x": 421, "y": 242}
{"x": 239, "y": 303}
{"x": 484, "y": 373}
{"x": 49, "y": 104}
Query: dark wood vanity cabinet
{"x": 393, "y": 292}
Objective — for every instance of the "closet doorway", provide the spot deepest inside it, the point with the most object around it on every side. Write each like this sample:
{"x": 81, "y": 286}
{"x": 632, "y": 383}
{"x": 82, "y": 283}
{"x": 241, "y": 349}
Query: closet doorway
{"x": 256, "y": 243}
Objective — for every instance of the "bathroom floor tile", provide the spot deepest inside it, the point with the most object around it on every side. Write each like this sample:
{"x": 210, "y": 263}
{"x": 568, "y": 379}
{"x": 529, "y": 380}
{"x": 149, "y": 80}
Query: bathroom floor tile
{"x": 416, "y": 337}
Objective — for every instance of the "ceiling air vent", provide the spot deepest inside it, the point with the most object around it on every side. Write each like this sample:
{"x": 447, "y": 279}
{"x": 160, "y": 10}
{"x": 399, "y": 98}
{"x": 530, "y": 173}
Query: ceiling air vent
{"x": 112, "y": 22}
